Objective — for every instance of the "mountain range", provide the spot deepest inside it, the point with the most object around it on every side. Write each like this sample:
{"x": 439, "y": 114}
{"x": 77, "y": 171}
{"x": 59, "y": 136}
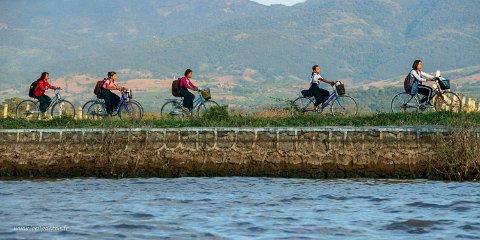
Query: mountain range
{"x": 241, "y": 48}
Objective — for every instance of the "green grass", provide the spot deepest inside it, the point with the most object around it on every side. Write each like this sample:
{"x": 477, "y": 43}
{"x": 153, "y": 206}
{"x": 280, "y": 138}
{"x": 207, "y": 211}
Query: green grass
{"x": 221, "y": 118}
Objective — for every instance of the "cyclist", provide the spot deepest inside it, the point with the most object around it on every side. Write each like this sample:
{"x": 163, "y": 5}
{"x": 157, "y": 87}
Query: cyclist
{"x": 111, "y": 99}
{"x": 316, "y": 80}
{"x": 422, "y": 78}
{"x": 42, "y": 86}
{"x": 186, "y": 84}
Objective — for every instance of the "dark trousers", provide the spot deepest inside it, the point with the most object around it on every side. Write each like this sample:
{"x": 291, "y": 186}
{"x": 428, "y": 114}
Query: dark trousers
{"x": 111, "y": 100}
{"x": 320, "y": 94}
{"x": 426, "y": 91}
{"x": 188, "y": 98}
{"x": 44, "y": 102}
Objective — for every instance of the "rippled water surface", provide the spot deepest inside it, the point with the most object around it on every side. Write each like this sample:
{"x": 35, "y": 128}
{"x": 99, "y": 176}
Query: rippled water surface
{"x": 239, "y": 208}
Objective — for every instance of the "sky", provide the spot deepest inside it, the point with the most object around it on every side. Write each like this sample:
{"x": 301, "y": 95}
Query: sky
{"x": 284, "y": 2}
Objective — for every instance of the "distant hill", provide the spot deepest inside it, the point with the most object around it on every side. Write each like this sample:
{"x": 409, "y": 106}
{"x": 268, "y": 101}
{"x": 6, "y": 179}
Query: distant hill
{"x": 247, "y": 47}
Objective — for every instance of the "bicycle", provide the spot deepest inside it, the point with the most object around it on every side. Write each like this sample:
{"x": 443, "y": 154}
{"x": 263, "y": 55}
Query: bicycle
{"x": 342, "y": 105}
{"x": 126, "y": 108}
{"x": 92, "y": 101}
{"x": 173, "y": 107}
{"x": 443, "y": 99}
{"x": 59, "y": 107}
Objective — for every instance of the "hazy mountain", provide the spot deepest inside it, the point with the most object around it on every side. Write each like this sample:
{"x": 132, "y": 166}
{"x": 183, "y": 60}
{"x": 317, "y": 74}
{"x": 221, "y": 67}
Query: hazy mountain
{"x": 360, "y": 40}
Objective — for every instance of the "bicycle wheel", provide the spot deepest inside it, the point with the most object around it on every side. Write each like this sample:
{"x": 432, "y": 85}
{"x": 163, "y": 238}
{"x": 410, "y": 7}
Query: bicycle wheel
{"x": 97, "y": 110}
{"x": 142, "y": 112}
{"x": 300, "y": 106}
{"x": 27, "y": 109}
{"x": 131, "y": 111}
{"x": 87, "y": 105}
{"x": 344, "y": 106}
{"x": 63, "y": 108}
{"x": 203, "y": 108}
{"x": 448, "y": 101}
{"x": 404, "y": 102}
{"x": 172, "y": 109}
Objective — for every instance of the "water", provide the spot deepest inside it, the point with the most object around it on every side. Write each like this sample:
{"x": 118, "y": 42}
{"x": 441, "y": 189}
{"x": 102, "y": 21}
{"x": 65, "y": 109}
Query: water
{"x": 239, "y": 208}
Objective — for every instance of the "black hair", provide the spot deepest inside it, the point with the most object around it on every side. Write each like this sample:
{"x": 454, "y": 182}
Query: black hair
{"x": 313, "y": 69}
{"x": 110, "y": 74}
{"x": 415, "y": 64}
{"x": 188, "y": 71}
{"x": 44, "y": 75}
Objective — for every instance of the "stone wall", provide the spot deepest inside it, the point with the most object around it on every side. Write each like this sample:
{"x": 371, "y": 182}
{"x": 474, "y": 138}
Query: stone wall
{"x": 314, "y": 152}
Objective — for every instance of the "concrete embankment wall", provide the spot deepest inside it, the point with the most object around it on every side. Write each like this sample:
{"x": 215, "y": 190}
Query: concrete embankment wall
{"x": 316, "y": 152}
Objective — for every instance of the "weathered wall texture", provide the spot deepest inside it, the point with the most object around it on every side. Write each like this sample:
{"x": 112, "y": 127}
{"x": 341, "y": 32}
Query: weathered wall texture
{"x": 323, "y": 152}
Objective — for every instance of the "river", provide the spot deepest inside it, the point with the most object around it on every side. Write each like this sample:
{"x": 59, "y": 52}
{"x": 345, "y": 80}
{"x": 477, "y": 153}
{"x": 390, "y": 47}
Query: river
{"x": 238, "y": 208}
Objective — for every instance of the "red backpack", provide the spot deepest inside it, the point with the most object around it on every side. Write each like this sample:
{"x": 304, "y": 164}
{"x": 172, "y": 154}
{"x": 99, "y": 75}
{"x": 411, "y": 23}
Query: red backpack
{"x": 98, "y": 89}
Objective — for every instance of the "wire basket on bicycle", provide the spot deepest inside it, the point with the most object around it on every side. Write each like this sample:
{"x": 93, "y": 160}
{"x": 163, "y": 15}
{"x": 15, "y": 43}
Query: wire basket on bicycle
{"x": 206, "y": 94}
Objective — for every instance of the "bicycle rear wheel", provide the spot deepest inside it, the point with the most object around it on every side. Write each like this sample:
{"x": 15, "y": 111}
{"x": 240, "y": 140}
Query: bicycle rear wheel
{"x": 404, "y": 102}
{"x": 63, "y": 108}
{"x": 97, "y": 110}
{"x": 142, "y": 112}
{"x": 300, "y": 106}
{"x": 131, "y": 111}
{"x": 448, "y": 101}
{"x": 87, "y": 105}
{"x": 204, "y": 108}
{"x": 344, "y": 106}
{"x": 172, "y": 109}
{"x": 27, "y": 109}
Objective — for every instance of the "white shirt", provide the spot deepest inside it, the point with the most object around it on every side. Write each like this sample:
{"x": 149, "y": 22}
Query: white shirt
{"x": 316, "y": 79}
{"x": 421, "y": 76}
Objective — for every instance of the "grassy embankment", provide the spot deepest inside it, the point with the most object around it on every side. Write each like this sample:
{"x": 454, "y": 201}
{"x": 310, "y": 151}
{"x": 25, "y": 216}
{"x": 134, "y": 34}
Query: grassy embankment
{"x": 457, "y": 155}
{"x": 220, "y": 117}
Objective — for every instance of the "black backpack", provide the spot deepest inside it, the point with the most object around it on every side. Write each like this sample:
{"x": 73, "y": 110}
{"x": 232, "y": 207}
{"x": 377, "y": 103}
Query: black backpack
{"x": 176, "y": 88}
{"x": 31, "y": 91}
{"x": 407, "y": 84}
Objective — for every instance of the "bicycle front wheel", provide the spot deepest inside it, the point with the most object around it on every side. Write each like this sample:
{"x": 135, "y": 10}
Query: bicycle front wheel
{"x": 300, "y": 106}
{"x": 448, "y": 101}
{"x": 404, "y": 102}
{"x": 63, "y": 108}
{"x": 131, "y": 111}
{"x": 27, "y": 109}
{"x": 97, "y": 110}
{"x": 344, "y": 106}
{"x": 172, "y": 109}
{"x": 204, "y": 108}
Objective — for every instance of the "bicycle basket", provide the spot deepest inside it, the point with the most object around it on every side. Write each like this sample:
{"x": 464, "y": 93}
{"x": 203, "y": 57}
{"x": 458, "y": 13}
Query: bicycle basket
{"x": 340, "y": 89}
{"x": 444, "y": 83}
{"x": 206, "y": 93}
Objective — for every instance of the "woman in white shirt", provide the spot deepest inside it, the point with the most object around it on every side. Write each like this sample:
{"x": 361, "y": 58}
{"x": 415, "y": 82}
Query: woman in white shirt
{"x": 422, "y": 78}
{"x": 316, "y": 80}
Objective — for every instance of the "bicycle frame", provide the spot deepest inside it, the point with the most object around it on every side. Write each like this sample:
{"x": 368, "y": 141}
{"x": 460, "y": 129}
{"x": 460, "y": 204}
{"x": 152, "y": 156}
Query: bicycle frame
{"x": 436, "y": 91}
{"x": 196, "y": 103}
{"x": 333, "y": 97}
{"x": 55, "y": 99}
{"x": 122, "y": 103}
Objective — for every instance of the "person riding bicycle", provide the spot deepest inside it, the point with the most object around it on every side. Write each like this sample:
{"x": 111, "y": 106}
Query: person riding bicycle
{"x": 42, "y": 86}
{"x": 316, "y": 80}
{"x": 186, "y": 84}
{"x": 417, "y": 74}
{"x": 111, "y": 99}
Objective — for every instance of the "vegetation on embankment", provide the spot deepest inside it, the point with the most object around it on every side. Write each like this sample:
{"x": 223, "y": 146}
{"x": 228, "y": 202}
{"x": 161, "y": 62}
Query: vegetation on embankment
{"x": 220, "y": 117}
